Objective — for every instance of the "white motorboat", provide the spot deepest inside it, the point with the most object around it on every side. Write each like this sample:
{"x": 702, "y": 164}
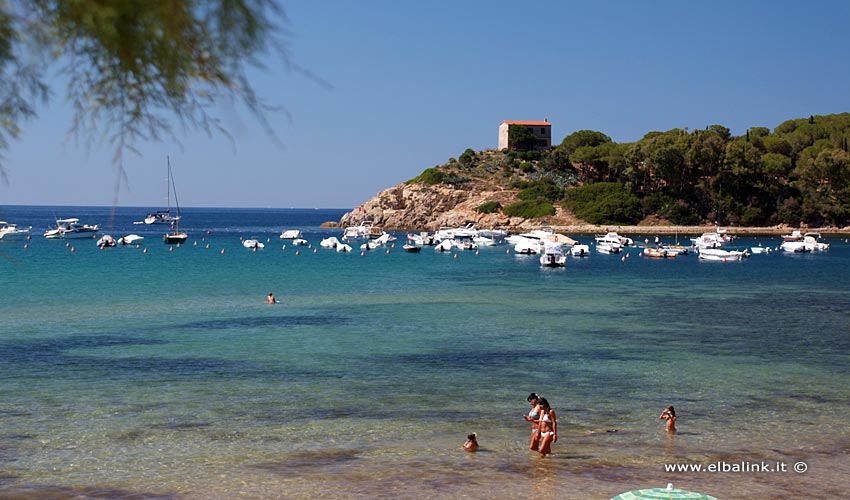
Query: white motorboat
{"x": 412, "y": 248}
{"x": 553, "y": 256}
{"x": 613, "y": 237}
{"x": 813, "y": 239}
{"x": 444, "y": 246}
{"x": 71, "y": 229}
{"x": 580, "y": 250}
{"x": 384, "y": 238}
{"x": 608, "y": 247}
{"x": 494, "y": 234}
{"x": 290, "y": 234}
{"x": 541, "y": 234}
{"x": 362, "y": 230}
{"x": 370, "y": 245}
{"x": 253, "y": 244}
{"x": 529, "y": 246}
{"x": 106, "y": 241}
{"x": 331, "y": 242}
{"x": 343, "y": 248}
{"x": 484, "y": 241}
{"x": 795, "y": 246}
{"x": 759, "y": 250}
{"x": 299, "y": 242}
{"x": 448, "y": 233}
{"x": 422, "y": 239}
{"x": 465, "y": 244}
{"x": 718, "y": 254}
{"x": 130, "y": 239}
{"x": 10, "y": 232}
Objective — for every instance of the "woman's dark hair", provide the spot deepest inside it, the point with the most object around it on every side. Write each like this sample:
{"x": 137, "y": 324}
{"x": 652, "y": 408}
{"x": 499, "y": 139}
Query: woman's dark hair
{"x": 472, "y": 437}
{"x": 533, "y": 395}
{"x": 671, "y": 410}
{"x": 543, "y": 402}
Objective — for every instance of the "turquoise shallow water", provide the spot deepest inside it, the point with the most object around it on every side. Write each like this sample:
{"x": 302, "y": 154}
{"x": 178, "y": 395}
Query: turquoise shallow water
{"x": 165, "y": 375}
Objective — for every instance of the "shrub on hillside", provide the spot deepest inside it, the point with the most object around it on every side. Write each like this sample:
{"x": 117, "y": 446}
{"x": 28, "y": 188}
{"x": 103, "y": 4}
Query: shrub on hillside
{"x": 604, "y": 203}
{"x": 430, "y": 176}
{"x": 489, "y": 207}
{"x": 529, "y": 209}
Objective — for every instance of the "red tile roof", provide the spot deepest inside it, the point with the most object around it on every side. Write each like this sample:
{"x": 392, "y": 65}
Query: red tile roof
{"x": 532, "y": 124}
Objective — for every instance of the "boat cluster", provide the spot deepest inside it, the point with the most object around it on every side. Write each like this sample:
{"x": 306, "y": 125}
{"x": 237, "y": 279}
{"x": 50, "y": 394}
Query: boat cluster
{"x": 551, "y": 247}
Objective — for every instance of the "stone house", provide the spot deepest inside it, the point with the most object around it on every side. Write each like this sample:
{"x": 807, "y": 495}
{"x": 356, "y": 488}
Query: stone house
{"x": 541, "y": 130}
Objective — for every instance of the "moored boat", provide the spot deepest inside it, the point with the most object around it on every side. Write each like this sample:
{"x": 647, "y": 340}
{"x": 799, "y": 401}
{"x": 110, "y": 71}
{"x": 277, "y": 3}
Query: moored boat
{"x": 12, "y": 232}
{"x": 71, "y": 229}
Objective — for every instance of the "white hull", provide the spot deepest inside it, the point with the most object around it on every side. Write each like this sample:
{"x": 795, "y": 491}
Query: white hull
{"x": 290, "y": 234}
{"x": 580, "y": 250}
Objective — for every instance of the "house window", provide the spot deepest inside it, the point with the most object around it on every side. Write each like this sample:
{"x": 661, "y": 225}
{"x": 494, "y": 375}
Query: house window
{"x": 542, "y": 130}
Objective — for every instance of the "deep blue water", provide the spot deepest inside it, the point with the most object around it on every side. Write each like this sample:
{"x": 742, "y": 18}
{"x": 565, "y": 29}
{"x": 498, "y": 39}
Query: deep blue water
{"x": 160, "y": 371}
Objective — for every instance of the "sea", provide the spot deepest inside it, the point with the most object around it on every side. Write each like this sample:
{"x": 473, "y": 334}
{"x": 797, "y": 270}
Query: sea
{"x": 160, "y": 372}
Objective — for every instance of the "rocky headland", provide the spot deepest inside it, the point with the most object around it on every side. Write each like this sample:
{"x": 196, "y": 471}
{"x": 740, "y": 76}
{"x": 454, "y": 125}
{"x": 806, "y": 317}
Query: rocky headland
{"x": 420, "y": 205}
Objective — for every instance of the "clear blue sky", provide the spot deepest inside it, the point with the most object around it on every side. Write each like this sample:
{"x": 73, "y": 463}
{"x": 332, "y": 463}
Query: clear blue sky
{"x": 416, "y": 83}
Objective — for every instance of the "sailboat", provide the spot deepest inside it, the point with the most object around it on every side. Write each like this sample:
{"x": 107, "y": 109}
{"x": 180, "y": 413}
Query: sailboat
{"x": 176, "y": 236}
{"x": 164, "y": 216}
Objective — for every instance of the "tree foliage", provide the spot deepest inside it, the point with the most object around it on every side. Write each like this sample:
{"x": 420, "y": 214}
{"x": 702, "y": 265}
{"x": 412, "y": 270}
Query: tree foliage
{"x": 520, "y": 138}
{"x": 136, "y": 69}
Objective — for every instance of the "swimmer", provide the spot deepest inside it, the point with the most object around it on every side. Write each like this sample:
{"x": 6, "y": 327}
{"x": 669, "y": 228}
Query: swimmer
{"x": 471, "y": 443}
{"x": 533, "y": 417}
{"x": 270, "y": 299}
{"x": 548, "y": 427}
{"x": 669, "y": 414}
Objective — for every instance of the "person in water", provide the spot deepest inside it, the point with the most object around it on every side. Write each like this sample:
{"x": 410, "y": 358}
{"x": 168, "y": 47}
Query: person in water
{"x": 471, "y": 443}
{"x": 669, "y": 414}
{"x": 548, "y": 427}
{"x": 533, "y": 417}
{"x": 270, "y": 299}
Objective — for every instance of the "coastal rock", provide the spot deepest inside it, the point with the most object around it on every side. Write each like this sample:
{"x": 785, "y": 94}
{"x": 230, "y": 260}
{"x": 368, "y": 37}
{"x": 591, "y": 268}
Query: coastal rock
{"x": 418, "y": 206}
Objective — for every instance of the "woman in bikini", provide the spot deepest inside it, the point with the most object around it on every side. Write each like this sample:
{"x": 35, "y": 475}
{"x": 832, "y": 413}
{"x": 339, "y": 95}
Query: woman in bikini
{"x": 533, "y": 417}
{"x": 548, "y": 427}
{"x": 669, "y": 414}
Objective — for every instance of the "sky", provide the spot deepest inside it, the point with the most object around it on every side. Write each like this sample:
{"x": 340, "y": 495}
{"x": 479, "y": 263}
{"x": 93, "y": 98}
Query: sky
{"x": 411, "y": 84}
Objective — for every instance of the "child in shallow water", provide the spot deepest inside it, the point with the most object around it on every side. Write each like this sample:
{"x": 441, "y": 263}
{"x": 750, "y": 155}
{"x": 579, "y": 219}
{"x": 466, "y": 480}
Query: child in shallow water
{"x": 669, "y": 414}
{"x": 471, "y": 443}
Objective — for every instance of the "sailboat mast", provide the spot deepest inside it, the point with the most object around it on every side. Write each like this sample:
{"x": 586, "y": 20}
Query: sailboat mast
{"x": 173, "y": 188}
{"x": 168, "y": 183}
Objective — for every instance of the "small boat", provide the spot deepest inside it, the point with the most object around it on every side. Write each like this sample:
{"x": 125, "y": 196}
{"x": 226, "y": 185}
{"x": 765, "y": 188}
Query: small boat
{"x": 553, "y": 256}
{"x": 12, "y": 232}
{"x": 580, "y": 250}
{"x": 106, "y": 241}
{"x": 299, "y": 242}
{"x": 422, "y": 239}
{"x": 484, "y": 241}
{"x": 176, "y": 237}
{"x": 130, "y": 239}
{"x": 290, "y": 234}
{"x": 759, "y": 250}
{"x": 331, "y": 242}
{"x": 253, "y": 244}
{"x": 444, "y": 245}
{"x": 71, "y": 229}
{"x": 718, "y": 254}
{"x": 343, "y": 248}
{"x": 370, "y": 245}
{"x": 362, "y": 230}
{"x": 412, "y": 248}
{"x": 465, "y": 244}
{"x": 658, "y": 253}
{"x": 161, "y": 217}
{"x": 608, "y": 247}
{"x": 613, "y": 237}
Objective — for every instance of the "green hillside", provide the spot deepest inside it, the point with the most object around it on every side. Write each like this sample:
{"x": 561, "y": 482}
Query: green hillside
{"x": 797, "y": 173}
